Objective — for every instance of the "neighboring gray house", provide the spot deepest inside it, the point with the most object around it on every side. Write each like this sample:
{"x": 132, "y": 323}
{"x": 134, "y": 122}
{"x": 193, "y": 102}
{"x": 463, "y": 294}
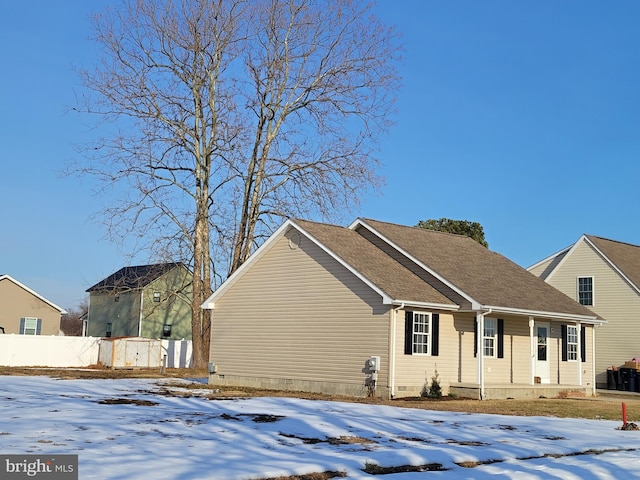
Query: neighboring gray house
{"x": 26, "y": 312}
{"x": 603, "y": 275}
{"x": 150, "y": 301}
{"x": 378, "y": 308}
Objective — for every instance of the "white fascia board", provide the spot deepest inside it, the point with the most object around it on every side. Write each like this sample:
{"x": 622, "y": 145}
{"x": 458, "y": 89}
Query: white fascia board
{"x": 430, "y": 306}
{"x": 8, "y": 277}
{"x": 359, "y": 222}
{"x": 570, "y": 251}
{"x": 540, "y": 314}
{"x": 550, "y": 257}
{"x": 612, "y": 265}
{"x": 209, "y": 303}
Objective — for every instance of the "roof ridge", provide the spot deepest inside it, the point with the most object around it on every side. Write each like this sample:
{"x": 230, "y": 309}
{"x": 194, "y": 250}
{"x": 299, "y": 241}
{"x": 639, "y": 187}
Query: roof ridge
{"x": 612, "y": 240}
{"x": 418, "y": 228}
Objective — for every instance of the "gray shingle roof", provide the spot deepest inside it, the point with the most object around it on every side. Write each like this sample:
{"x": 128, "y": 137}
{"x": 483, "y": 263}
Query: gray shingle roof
{"x": 133, "y": 278}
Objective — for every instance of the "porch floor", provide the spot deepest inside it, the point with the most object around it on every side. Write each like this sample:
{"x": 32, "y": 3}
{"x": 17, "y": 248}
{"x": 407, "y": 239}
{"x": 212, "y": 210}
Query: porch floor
{"x": 519, "y": 391}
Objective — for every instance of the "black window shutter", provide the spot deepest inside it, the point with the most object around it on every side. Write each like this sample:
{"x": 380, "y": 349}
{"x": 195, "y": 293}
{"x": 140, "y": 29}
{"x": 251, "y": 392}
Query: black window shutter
{"x": 39, "y": 326}
{"x": 563, "y": 329}
{"x": 435, "y": 333}
{"x": 475, "y": 337}
{"x": 500, "y": 338}
{"x": 583, "y": 344}
{"x": 408, "y": 333}
{"x": 22, "y": 326}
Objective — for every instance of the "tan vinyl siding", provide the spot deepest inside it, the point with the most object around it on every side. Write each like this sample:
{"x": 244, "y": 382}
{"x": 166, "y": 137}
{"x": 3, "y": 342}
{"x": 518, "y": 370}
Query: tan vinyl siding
{"x": 458, "y": 364}
{"x": 414, "y": 371}
{"x": 299, "y": 315}
{"x": 614, "y": 300}
{"x": 18, "y": 303}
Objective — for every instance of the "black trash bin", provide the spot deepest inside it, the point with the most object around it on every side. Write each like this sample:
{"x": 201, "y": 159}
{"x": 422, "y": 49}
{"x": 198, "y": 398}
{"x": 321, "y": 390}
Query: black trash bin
{"x": 632, "y": 380}
{"x": 612, "y": 380}
{"x": 624, "y": 379}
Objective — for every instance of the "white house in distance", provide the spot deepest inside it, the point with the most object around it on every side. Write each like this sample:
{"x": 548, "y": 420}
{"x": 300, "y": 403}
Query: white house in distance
{"x": 378, "y": 308}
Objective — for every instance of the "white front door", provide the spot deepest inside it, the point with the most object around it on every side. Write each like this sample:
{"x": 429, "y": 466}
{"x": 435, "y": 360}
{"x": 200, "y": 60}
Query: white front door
{"x": 541, "y": 332}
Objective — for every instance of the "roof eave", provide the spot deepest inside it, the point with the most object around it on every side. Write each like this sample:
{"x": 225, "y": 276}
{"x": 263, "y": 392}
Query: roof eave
{"x": 573, "y": 317}
{"x": 426, "y": 305}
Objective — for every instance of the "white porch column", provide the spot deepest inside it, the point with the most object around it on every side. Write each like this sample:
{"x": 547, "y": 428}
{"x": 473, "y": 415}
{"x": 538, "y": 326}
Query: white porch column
{"x": 532, "y": 352}
{"x": 480, "y": 352}
{"x": 579, "y": 362}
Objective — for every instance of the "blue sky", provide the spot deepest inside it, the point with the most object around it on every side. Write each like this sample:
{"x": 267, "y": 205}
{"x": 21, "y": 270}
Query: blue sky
{"x": 523, "y": 116}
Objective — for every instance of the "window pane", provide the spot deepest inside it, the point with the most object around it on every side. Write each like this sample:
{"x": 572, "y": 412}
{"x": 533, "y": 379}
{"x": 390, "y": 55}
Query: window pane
{"x": 30, "y": 326}
{"x": 489, "y": 337}
{"x": 572, "y": 343}
{"x": 421, "y": 332}
{"x": 585, "y": 290}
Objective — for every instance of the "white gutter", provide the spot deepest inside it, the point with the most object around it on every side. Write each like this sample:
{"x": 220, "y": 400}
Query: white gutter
{"x": 434, "y": 306}
{"x": 552, "y": 315}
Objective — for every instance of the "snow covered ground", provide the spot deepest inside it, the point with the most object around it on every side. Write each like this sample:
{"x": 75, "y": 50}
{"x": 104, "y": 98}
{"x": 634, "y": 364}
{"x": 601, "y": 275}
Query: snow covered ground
{"x": 127, "y": 429}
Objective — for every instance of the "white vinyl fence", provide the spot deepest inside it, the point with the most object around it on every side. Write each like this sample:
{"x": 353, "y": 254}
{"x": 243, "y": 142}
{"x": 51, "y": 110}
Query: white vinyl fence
{"x": 54, "y": 351}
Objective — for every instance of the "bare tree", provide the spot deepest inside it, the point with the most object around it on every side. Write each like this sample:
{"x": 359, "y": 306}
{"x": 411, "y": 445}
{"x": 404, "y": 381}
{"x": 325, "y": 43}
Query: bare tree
{"x": 71, "y": 322}
{"x": 220, "y": 117}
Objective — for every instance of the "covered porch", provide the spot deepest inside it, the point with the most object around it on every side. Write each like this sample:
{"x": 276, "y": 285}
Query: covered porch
{"x": 558, "y": 361}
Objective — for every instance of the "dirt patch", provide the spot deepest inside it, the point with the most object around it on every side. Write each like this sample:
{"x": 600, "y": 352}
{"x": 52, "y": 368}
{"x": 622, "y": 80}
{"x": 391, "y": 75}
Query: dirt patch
{"x": 342, "y": 440}
{"x": 311, "y": 476}
{"x": 630, "y": 426}
{"x": 127, "y": 401}
{"x": 375, "y": 469}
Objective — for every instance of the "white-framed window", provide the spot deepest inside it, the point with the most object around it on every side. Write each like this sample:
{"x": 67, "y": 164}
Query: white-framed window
{"x": 30, "y": 326}
{"x": 156, "y": 297}
{"x": 489, "y": 337}
{"x": 585, "y": 290}
{"x": 421, "y": 332}
{"x": 572, "y": 343}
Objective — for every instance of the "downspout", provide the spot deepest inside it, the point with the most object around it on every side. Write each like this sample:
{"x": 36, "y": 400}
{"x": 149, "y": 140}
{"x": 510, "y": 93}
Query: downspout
{"x": 141, "y": 308}
{"x": 532, "y": 353}
{"x": 480, "y": 349}
{"x": 579, "y": 352}
{"x": 593, "y": 359}
{"x": 392, "y": 350}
